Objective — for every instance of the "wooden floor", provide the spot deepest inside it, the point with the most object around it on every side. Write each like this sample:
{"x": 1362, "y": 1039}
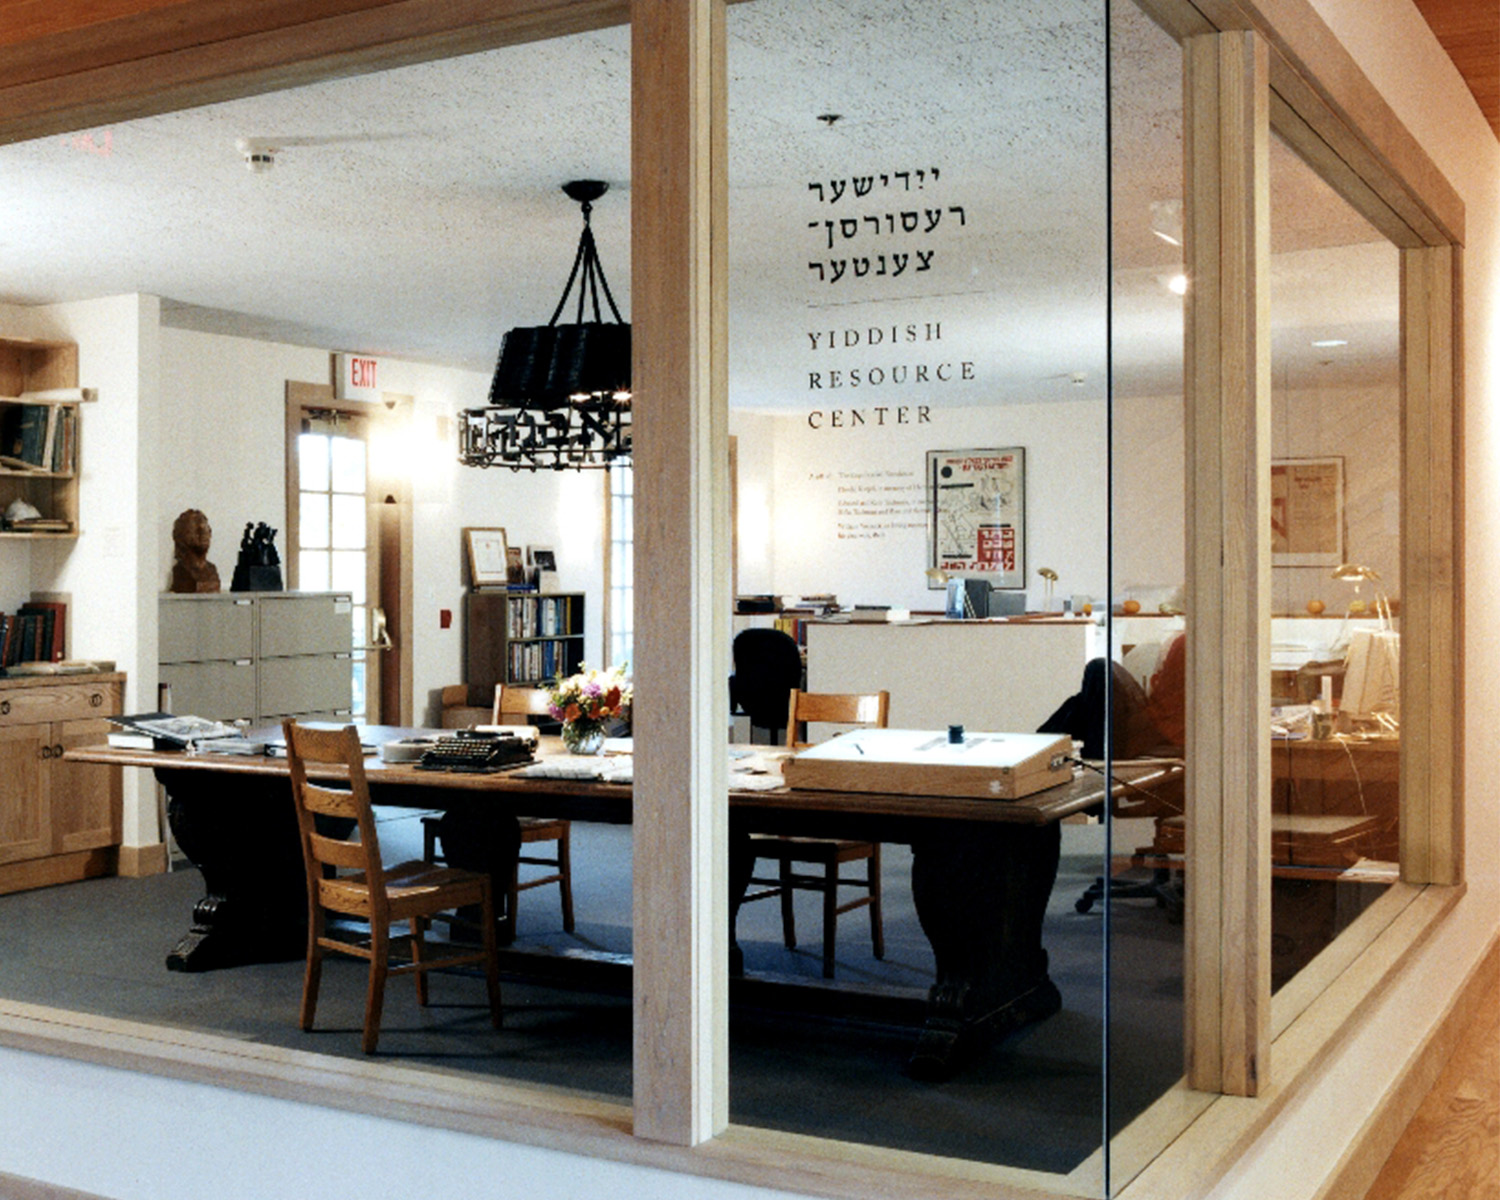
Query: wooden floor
{"x": 1451, "y": 1149}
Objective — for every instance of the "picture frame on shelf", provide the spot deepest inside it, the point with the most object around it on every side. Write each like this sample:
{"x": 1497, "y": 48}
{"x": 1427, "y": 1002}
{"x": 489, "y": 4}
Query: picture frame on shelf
{"x": 515, "y": 568}
{"x": 488, "y": 558}
{"x": 541, "y": 568}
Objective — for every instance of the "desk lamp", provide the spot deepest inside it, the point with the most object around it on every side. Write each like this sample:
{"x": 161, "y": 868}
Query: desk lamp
{"x": 1050, "y": 576}
{"x": 1356, "y": 574}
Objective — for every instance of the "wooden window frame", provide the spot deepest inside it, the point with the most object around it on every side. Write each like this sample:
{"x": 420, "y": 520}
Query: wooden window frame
{"x": 70, "y": 74}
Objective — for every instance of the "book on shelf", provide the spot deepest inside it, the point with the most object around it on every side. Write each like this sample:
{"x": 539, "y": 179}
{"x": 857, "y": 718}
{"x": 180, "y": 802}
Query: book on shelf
{"x": 23, "y": 434}
{"x": 50, "y": 640}
{"x": 40, "y": 525}
{"x": 80, "y": 666}
{"x": 62, "y": 395}
{"x": 23, "y": 637}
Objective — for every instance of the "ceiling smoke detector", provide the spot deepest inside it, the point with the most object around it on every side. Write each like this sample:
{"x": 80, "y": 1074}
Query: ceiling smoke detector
{"x": 259, "y": 154}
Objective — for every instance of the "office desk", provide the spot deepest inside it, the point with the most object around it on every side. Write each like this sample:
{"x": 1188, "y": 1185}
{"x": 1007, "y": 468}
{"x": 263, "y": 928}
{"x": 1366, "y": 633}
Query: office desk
{"x": 982, "y": 870}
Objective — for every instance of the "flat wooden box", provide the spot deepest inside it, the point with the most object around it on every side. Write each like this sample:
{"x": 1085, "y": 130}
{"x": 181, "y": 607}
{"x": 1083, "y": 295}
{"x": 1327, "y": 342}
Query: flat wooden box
{"x": 917, "y": 762}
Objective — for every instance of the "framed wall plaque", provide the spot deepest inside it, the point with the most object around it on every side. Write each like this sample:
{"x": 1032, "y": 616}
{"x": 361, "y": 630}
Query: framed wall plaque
{"x": 487, "y": 557}
{"x": 1307, "y": 512}
{"x": 977, "y": 509}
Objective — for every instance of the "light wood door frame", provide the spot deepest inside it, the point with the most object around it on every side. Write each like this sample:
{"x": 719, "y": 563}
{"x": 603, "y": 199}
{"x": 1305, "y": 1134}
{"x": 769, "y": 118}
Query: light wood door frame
{"x": 1228, "y": 427}
{"x": 388, "y": 531}
{"x": 680, "y": 374}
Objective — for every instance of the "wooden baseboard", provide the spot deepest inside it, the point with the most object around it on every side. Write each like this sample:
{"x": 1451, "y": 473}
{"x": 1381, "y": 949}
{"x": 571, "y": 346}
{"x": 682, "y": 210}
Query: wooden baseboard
{"x": 1361, "y": 1163}
{"x": 57, "y": 868}
{"x": 138, "y": 861}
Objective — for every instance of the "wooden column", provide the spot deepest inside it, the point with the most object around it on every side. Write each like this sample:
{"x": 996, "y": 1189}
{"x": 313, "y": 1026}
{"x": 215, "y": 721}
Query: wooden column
{"x": 1431, "y": 632}
{"x": 682, "y": 596}
{"x": 1228, "y": 563}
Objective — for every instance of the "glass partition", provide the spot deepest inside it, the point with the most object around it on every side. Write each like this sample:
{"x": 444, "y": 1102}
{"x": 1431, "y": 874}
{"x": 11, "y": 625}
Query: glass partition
{"x": 1147, "y": 838}
{"x": 918, "y": 391}
{"x": 1336, "y": 485}
{"x": 489, "y": 250}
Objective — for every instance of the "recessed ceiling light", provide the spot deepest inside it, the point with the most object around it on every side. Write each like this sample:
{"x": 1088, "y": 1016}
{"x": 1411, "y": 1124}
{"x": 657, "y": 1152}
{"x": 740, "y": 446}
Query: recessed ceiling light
{"x": 1327, "y": 342}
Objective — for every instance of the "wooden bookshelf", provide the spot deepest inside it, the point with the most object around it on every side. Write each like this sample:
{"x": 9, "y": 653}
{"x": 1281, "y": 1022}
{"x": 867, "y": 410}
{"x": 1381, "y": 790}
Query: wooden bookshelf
{"x": 45, "y": 432}
{"x": 521, "y": 638}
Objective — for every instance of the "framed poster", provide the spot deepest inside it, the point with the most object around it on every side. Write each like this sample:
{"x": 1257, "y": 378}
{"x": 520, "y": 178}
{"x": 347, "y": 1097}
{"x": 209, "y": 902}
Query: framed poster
{"x": 977, "y": 515}
{"x": 487, "y": 557}
{"x": 1307, "y": 512}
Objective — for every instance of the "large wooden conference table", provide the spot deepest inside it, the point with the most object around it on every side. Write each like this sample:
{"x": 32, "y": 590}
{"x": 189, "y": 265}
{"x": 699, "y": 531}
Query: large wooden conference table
{"x": 982, "y": 870}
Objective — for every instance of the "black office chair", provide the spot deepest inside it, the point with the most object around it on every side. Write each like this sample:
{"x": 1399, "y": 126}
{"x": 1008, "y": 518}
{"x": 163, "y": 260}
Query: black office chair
{"x": 1133, "y": 734}
{"x": 767, "y": 666}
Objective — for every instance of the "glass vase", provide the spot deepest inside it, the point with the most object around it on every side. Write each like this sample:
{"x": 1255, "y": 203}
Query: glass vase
{"x": 583, "y": 737}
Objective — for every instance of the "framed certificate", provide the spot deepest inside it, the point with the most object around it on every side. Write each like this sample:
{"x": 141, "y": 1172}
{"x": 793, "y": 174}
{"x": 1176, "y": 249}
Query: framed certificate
{"x": 488, "y": 565}
{"x": 977, "y": 516}
{"x": 1307, "y": 512}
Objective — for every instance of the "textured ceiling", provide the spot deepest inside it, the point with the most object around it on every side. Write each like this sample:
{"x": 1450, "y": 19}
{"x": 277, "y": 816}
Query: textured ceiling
{"x": 416, "y": 212}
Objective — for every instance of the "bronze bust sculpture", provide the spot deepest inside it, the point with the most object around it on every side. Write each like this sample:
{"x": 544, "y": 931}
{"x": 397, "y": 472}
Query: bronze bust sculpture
{"x": 191, "y": 570}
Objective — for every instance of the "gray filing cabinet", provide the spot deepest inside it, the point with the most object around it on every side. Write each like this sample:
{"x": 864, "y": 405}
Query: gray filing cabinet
{"x": 258, "y": 656}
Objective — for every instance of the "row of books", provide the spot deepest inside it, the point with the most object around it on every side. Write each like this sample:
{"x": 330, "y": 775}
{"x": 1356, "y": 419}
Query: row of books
{"x": 38, "y": 437}
{"x": 795, "y": 627}
{"x": 35, "y": 632}
{"x": 544, "y": 616}
{"x": 531, "y": 661}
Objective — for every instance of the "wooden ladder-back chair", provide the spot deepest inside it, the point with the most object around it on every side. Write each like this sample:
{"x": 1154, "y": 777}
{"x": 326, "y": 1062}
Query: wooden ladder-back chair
{"x": 512, "y": 706}
{"x": 346, "y": 877}
{"x": 828, "y": 853}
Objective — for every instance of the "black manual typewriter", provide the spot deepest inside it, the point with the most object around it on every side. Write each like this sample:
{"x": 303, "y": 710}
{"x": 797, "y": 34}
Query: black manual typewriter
{"x": 470, "y": 750}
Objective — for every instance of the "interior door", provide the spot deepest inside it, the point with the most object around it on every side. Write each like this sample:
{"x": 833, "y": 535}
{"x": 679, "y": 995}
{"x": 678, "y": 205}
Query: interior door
{"x": 339, "y": 522}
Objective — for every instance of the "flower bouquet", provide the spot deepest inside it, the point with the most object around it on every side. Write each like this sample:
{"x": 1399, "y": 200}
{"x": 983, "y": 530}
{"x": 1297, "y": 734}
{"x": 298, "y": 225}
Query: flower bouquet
{"x": 585, "y": 703}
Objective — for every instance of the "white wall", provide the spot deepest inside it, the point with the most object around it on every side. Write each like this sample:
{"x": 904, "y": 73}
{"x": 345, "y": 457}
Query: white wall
{"x": 224, "y": 400}
{"x": 846, "y": 509}
{"x": 803, "y": 528}
{"x": 106, "y": 569}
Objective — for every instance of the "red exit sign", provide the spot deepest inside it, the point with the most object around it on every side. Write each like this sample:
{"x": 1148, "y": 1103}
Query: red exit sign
{"x": 357, "y": 377}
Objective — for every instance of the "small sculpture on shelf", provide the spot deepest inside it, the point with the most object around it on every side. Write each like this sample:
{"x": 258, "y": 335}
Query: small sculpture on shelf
{"x": 259, "y": 567}
{"x": 191, "y": 570}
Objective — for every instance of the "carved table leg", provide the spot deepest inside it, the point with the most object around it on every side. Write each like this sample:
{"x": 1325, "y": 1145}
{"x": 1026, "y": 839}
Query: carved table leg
{"x": 981, "y": 895}
{"x": 478, "y": 838}
{"x": 741, "y": 867}
{"x": 241, "y": 833}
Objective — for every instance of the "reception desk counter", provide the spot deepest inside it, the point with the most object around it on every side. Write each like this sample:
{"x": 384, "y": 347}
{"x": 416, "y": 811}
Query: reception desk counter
{"x": 999, "y": 675}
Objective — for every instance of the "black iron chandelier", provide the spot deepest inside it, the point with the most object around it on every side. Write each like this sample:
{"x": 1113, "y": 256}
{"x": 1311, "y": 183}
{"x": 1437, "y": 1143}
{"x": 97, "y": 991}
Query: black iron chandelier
{"x": 560, "y": 398}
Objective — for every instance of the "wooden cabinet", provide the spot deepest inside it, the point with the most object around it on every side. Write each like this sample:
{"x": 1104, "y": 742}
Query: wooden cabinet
{"x": 39, "y": 437}
{"x": 258, "y": 656}
{"x": 59, "y": 821}
{"x": 521, "y": 638}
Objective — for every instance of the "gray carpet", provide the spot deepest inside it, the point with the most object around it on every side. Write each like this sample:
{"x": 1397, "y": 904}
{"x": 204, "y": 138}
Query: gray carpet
{"x": 1034, "y": 1101}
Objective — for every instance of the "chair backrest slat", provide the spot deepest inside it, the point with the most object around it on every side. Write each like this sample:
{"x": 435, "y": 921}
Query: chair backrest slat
{"x": 843, "y": 708}
{"x": 338, "y": 852}
{"x": 330, "y": 802}
{"x": 520, "y": 702}
{"x": 361, "y": 849}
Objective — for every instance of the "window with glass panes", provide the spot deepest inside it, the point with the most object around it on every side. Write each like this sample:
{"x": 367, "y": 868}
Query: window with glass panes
{"x": 332, "y": 545}
{"x": 621, "y": 563}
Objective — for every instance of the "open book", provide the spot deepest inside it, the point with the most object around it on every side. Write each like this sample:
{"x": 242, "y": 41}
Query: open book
{"x": 163, "y": 731}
